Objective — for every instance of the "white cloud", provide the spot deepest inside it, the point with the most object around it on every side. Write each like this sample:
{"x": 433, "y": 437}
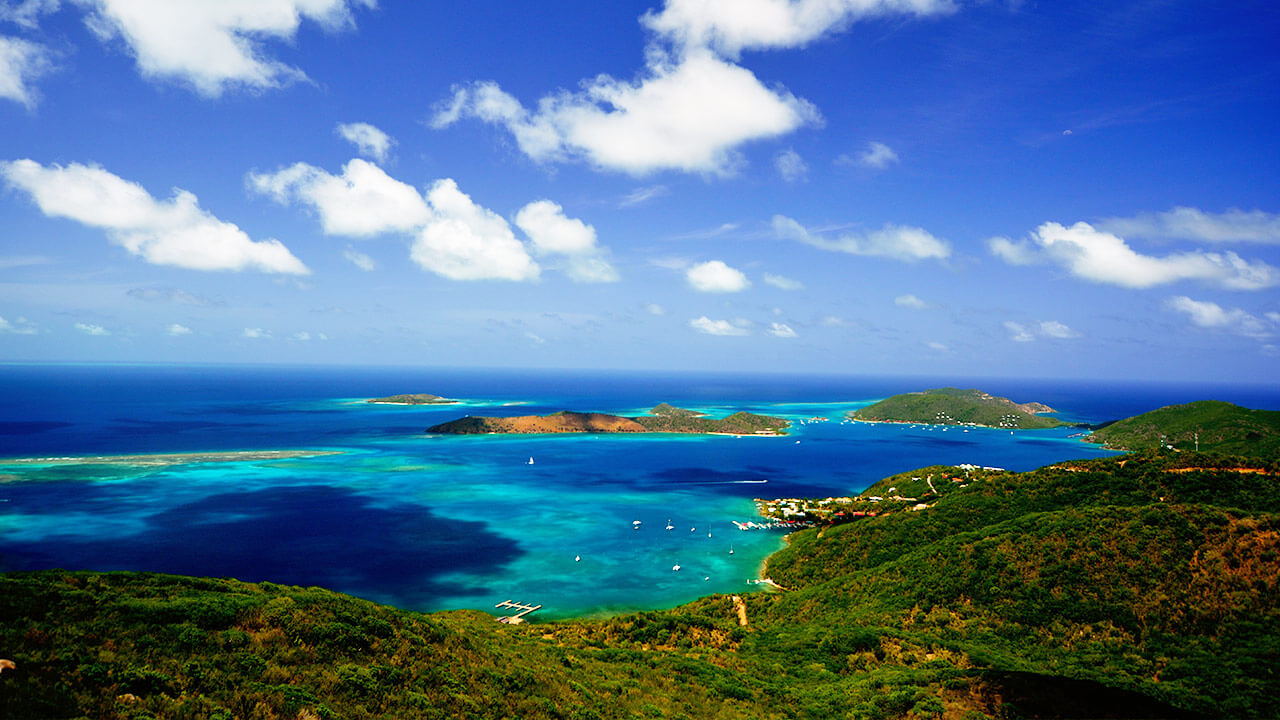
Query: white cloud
{"x": 832, "y": 321}
{"x": 689, "y": 115}
{"x": 214, "y": 45}
{"x": 464, "y": 241}
{"x": 257, "y": 333}
{"x": 1014, "y": 253}
{"x": 1186, "y": 223}
{"x": 1018, "y": 332}
{"x": 21, "y": 326}
{"x": 91, "y": 329}
{"x": 897, "y": 242}
{"x": 935, "y": 345}
{"x": 791, "y": 166}
{"x": 362, "y": 202}
{"x": 1045, "y": 328}
{"x": 714, "y": 276}
{"x": 781, "y": 330}
{"x": 369, "y": 140}
{"x": 877, "y": 156}
{"x": 27, "y": 12}
{"x": 782, "y": 283}
{"x": 174, "y": 232}
{"x": 731, "y": 27}
{"x": 910, "y": 301}
{"x": 553, "y": 233}
{"x": 1273, "y": 317}
{"x": 302, "y": 336}
{"x": 1102, "y": 257}
{"x": 537, "y": 339}
{"x": 173, "y": 295}
{"x": 643, "y": 195}
{"x": 1211, "y": 315}
{"x": 359, "y": 259}
{"x": 707, "y": 326}
{"x": 655, "y": 309}
{"x": 1055, "y": 329}
{"x": 176, "y": 330}
{"x": 21, "y": 63}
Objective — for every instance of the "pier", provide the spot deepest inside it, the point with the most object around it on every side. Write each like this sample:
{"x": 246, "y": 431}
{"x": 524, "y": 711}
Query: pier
{"x": 519, "y": 616}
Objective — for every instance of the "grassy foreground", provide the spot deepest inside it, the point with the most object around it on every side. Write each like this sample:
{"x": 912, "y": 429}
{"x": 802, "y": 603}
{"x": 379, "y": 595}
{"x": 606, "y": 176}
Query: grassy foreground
{"x": 1140, "y": 586}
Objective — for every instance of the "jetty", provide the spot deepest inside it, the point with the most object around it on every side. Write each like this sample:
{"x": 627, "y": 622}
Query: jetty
{"x": 519, "y": 616}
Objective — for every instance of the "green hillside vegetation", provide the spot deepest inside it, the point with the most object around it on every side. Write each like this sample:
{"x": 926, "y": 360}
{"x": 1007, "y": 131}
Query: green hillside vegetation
{"x": 1139, "y": 586}
{"x": 662, "y": 419}
{"x": 954, "y": 406}
{"x": 739, "y": 423}
{"x": 414, "y": 399}
{"x": 1219, "y": 426}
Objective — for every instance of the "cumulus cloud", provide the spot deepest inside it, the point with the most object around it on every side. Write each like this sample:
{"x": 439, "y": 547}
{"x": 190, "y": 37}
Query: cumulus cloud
{"x": 26, "y": 12}
{"x": 716, "y": 277}
{"x": 1213, "y": 316}
{"x": 1102, "y": 257}
{"x": 214, "y": 45}
{"x": 359, "y": 259}
{"x": 256, "y": 333}
{"x": 687, "y": 115}
{"x": 937, "y": 346}
{"x": 1045, "y": 328}
{"x": 897, "y": 242}
{"x": 20, "y": 326}
{"x": 553, "y": 233}
{"x": 910, "y": 301}
{"x": 177, "y": 330}
{"x": 369, "y": 140}
{"x": 1018, "y": 332}
{"x": 173, "y": 232}
{"x": 782, "y": 283}
{"x": 361, "y": 202}
{"x": 1186, "y": 223}
{"x": 655, "y": 309}
{"x": 731, "y": 27}
{"x": 21, "y": 63}
{"x": 781, "y": 330}
{"x": 707, "y": 326}
{"x": 876, "y": 156}
{"x": 91, "y": 329}
{"x": 791, "y": 166}
{"x": 464, "y": 241}
{"x": 1055, "y": 329}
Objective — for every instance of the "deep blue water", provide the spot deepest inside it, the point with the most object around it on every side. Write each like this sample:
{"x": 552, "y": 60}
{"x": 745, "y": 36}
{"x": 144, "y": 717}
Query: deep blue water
{"x": 442, "y": 522}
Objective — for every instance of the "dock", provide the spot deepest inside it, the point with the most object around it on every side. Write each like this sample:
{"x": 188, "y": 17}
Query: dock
{"x": 519, "y": 616}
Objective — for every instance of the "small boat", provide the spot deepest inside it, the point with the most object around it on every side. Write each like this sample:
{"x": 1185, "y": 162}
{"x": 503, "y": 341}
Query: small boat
{"x": 530, "y": 462}
{"x": 730, "y": 549}
{"x": 675, "y": 568}
{"x": 669, "y": 525}
{"x": 577, "y": 558}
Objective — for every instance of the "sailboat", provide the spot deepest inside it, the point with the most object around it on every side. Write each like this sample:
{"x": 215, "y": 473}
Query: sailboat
{"x": 730, "y": 549}
{"x": 669, "y": 525}
{"x": 530, "y": 461}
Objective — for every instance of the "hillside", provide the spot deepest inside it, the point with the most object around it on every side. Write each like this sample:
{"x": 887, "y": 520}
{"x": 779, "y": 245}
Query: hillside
{"x": 1217, "y": 427}
{"x": 954, "y": 406}
{"x": 1144, "y": 586}
{"x": 663, "y": 419}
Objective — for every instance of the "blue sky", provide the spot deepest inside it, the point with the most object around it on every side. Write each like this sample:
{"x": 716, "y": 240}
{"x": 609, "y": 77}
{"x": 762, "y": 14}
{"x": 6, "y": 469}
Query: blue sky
{"x": 861, "y": 186}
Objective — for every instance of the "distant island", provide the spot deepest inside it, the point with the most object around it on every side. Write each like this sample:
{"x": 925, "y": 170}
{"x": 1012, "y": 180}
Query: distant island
{"x": 662, "y": 419}
{"x": 954, "y": 406}
{"x": 413, "y": 399}
{"x": 1205, "y": 425}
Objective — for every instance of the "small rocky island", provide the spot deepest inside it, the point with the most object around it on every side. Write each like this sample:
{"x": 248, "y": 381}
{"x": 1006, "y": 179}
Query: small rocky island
{"x": 955, "y": 406}
{"x": 413, "y": 399}
{"x": 662, "y": 419}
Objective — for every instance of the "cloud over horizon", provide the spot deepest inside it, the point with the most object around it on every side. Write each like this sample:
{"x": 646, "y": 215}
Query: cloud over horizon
{"x": 175, "y": 232}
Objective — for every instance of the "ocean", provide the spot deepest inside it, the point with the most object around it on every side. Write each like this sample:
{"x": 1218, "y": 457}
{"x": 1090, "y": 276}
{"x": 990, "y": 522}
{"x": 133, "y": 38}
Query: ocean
{"x": 429, "y": 523}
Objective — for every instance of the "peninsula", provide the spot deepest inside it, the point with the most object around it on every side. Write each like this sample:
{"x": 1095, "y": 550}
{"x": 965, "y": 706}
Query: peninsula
{"x": 662, "y": 419}
{"x": 413, "y": 399}
{"x": 954, "y": 406}
{"x": 1206, "y": 425}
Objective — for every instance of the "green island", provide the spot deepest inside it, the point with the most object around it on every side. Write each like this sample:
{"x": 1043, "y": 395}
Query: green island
{"x": 413, "y": 399}
{"x": 662, "y": 419}
{"x": 955, "y": 406}
{"x": 1145, "y": 585}
{"x": 1209, "y": 425}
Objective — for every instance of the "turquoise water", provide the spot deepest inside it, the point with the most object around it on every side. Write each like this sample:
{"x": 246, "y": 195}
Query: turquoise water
{"x": 440, "y": 522}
